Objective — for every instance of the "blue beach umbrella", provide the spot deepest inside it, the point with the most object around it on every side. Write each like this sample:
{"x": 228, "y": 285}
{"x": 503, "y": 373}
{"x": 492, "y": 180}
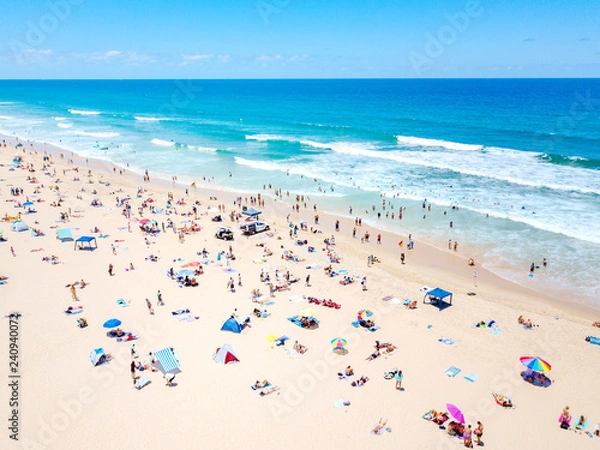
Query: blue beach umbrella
{"x": 112, "y": 323}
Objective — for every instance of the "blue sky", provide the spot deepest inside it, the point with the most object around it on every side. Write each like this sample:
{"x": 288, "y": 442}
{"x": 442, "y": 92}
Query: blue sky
{"x": 299, "y": 38}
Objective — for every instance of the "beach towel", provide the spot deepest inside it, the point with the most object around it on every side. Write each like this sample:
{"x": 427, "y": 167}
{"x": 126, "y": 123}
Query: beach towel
{"x": 593, "y": 340}
{"x": 341, "y": 403}
{"x": 142, "y": 382}
{"x": 75, "y": 310}
{"x": 355, "y": 324}
{"x": 121, "y": 302}
{"x": 582, "y": 427}
{"x": 471, "y": 377}
{"x": 180, "y": 311}
{"x": 269, "y": 390}
{"x": 446, "y": 341}
{"x": 281, "y": 341}
{"x": 452, "y": 371}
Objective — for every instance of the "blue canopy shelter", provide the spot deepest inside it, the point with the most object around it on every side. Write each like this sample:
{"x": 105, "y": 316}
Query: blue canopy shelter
{"x": 438, "y": 297}
{"x": 251, "y": 212}
{"x": 85, "y": 240}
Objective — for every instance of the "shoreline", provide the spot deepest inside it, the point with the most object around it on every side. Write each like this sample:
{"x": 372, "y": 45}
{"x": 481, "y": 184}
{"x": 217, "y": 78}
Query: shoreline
{"x": 445, "y": 264}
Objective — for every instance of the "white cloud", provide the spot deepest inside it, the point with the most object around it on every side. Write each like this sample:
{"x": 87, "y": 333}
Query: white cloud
{"x": 198, "y": 57}
{"x": 224, "y": 58}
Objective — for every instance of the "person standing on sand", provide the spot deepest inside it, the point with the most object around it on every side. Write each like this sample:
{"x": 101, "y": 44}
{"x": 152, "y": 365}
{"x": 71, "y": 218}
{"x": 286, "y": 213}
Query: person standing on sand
{"x": 159, "y": 300}
{"x": 74, "y": 292}
{"x": 364, "y": 283}
{"x": 110, "y": 270}
{"x": 478, "y": 432}
{"x": 307, "y": 284}
{"x": 398, "y": 377}
{"x": 133, "y": 352}
{"x": 402, "y": 257}
{"x": 532, "y": 268}
{"x": 149, "y": 305}
{"x": 133, "y": 376}
{"x": 12, "y": 250}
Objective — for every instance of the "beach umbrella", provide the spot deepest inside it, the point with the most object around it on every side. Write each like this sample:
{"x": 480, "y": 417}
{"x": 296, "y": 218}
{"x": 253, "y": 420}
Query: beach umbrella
{"x": 535, "y": 363}
{"x": 364, "y": 313}
{"x": 112, "y": 323}
{"x": 455, "y": 412}
{"x": 144, "y": 221}
{"x": 339, "y": 342}
{"x": 307, "y": 312}
{"x": 28, "y": 204}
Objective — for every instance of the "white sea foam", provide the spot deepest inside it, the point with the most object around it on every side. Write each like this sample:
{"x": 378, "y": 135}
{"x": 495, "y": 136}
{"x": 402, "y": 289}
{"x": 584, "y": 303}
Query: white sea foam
{"x": 150, "y": 119}
{"x": 58, "y": 119}
{"x": 64, "y": 125}
{"x": 263, "y": 137}
{"x": 82, "y": 112}
{"x": 6, "y": 118}
{"x": 162, "y": 143}
{"x": 436, "y": 143}
{"x": 96, "y": 134}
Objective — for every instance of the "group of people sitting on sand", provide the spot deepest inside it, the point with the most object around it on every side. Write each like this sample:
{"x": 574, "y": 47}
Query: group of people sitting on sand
{"x": 536, "y": 378}
{"x": 360, "y": 382}
{"x": 381, "y": 347}
{"x": 52, "y": 259}
{"x": 526, "y": 323}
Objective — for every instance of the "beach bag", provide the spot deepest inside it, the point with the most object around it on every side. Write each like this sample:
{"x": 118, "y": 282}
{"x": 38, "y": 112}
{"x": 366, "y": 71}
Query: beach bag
{"x": 564, "y": 425}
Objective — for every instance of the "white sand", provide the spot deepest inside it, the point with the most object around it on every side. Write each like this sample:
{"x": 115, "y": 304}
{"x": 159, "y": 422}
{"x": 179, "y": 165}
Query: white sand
{"x": 66, "y": 403}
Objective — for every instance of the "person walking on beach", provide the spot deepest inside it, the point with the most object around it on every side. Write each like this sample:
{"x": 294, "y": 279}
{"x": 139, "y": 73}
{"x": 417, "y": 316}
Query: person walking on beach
{"x": 379, "y": 239}
{"x": 364, "y": 283}
{"x": 455, "y": 245}
{"x": 398, "y": 377}
{"x": 402, "y": 257}
{"x": 307, "y": 284}
{"x": 231, "y": 285}
{"x": 74, "y": 292}
{"x": 133, "y": 352}
{"x": 159, "y": 300}
{"x": 133, "y": 376}
{"x": 12, "y": 250}
{"x": 149, "y": 305}
{"x": 239, "y": 279}
{"x": 532, "y": 268}
{"x": 110, "y": 270}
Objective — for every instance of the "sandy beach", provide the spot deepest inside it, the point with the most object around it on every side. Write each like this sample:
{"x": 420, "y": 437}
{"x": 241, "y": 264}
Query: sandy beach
{"x": 65, "y": 402}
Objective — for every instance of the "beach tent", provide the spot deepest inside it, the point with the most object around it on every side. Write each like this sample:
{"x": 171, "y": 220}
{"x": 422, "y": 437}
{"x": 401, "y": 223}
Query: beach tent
{"x": 64, "y": 234}
{"x": 224, "y": 355}
{"x": 232, "y": 325}
{"x": 438, "y": 297}
{"x": 86, "y": 240}
{"x": 19, "y": 226}
{"x": 166, "y": 361}
{"x": 251, "y": 212}
{"x": 97, "y": 356}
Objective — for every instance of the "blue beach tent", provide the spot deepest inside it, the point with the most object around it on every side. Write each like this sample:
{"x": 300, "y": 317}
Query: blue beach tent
{"x": 232, "y": 325}
{"x": 86, "y": 240}
{"x": 438, "y": 297}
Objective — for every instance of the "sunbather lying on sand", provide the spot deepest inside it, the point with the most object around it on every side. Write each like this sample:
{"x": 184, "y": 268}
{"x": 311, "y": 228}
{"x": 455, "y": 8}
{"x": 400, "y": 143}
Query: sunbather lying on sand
{"x": 260, "y": 384}
{"x": 361, "y": 381}
{"x": 269, "y": 390}
{"x": 503, "y": 401}
{"x": 300, "y": 348}
{"x": 379, "y": 427}
{"x": 596, "y": 324}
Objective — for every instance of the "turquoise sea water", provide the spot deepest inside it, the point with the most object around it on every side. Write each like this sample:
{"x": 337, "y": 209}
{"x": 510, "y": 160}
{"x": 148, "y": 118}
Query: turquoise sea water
{"x": 519, "y": 160}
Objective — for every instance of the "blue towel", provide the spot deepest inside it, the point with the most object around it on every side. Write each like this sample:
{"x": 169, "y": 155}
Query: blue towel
{"x": 471, "y": 377}
{"x": 452, "y": 371}
{"x": 355, "y": 324}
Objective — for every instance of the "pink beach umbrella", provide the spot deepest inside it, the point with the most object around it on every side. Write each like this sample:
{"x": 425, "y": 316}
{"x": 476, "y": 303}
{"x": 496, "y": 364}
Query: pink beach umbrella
{"x": 455, "y": 412}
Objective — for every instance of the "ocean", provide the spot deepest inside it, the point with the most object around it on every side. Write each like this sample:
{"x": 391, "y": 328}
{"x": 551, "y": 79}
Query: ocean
{"x": 514, "y": 164}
